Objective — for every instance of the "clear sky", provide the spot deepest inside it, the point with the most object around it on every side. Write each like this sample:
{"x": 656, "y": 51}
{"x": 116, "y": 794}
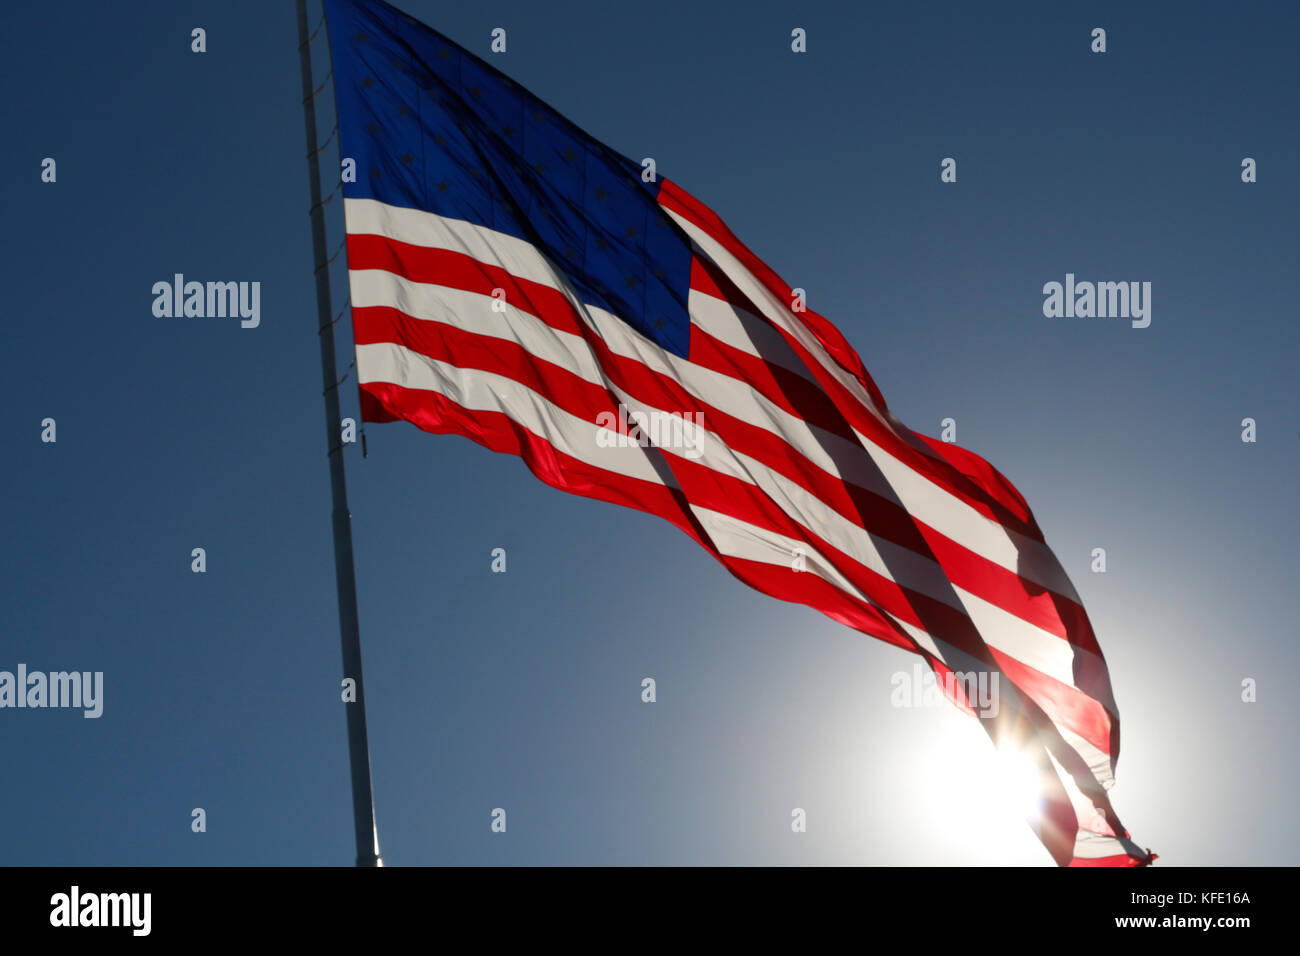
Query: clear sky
{"x": 522, "y": 690}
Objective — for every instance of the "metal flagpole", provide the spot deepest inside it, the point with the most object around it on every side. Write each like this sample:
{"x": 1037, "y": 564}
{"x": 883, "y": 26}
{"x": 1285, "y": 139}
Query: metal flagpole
{"x": 363, "y": 801}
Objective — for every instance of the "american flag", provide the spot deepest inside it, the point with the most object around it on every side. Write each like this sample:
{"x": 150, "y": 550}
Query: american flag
{"x": 515, "y": 281}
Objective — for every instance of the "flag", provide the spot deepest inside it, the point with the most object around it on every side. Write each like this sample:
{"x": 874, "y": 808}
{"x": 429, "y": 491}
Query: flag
{"x": 515, "y": 281}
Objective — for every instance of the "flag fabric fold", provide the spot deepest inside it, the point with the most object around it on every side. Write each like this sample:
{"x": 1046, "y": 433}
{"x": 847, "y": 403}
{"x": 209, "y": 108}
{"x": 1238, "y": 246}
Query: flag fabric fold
{"x": 515, "y": 281}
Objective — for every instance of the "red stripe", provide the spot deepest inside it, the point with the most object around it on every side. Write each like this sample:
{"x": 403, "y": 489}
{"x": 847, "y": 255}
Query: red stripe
{"x": 1122, "y": 859}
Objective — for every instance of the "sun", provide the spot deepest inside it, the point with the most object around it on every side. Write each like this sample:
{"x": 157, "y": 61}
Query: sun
{"x": 1017, "y": 781}
{"x": 973, "y": 798}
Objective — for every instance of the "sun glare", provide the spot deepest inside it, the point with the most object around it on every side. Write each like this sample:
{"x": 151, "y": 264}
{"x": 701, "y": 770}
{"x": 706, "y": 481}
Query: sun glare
{"x": 1016, "y": 781}
{"x": 975, "y": 798}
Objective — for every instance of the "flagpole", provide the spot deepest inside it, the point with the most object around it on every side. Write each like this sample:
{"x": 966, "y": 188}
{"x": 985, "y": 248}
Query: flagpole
{"x": 363, "y": 801}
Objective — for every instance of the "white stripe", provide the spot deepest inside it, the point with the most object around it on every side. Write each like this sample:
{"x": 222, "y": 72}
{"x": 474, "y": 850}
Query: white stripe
{"x": 1092, "y": 846}
{"x": 745, "y": 332}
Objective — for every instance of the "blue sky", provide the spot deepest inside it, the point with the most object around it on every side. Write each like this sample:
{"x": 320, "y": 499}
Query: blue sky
{"x": 522, "y": 690}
